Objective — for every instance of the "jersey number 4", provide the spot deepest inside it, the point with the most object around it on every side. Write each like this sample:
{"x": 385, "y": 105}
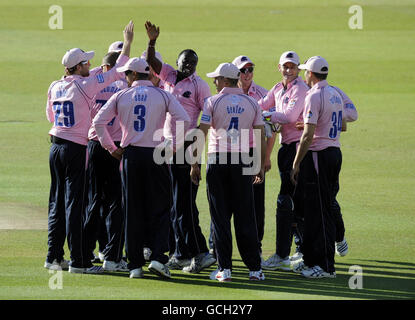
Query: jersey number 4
{"x": 64, "y": 115}
{"x": 140, "y": 123}
{"x": 337, "y": 124}
{"x": 234, "y": 124}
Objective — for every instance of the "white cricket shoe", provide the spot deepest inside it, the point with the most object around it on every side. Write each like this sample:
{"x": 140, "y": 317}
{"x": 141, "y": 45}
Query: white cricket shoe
{"x": 113, "y": 266}
{"x": 200, "y": 262}
{"x": 90, "y": 270}
{"x": 159, "y": 269}
{"x": 342, "y": 248}
{"x": 222, "y": 276}
{"x": 256, "y": 275}
{"x": 55, "y": 265}
{"x": 300, "y": 267}
{"x": 276, "y": 262}
{"x": 176, "y": 264}
{"x": 316, "y": 272}
{"x": 136, "y": 273}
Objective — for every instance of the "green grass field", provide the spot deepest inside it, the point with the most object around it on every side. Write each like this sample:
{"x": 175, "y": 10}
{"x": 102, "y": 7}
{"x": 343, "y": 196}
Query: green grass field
{"x": 374, "y": 66}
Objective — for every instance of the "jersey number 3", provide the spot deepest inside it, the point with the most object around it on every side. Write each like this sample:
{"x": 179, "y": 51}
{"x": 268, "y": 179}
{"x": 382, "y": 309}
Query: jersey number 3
{"x": 140, "y": 123}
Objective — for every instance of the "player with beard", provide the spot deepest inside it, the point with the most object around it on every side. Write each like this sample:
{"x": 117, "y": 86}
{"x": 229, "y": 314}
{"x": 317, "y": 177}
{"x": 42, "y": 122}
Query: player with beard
{"x": 68, "y": 108}
{"x": 191, "y": 253}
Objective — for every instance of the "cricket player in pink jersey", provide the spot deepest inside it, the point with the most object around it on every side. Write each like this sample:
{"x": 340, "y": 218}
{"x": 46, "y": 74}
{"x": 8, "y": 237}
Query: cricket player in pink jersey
{"x": 319, "y": 157}
{"x": 141, "y": 110}
{"x": 191, "y": 253}
{"x": 68, "y": 108}
{"x": 249, "y": 87}
{"x": 104, "y": 183}
{"x": 350, "y": 115}
{"x": 229, "y": 114}
{"x": 286, "y": 99}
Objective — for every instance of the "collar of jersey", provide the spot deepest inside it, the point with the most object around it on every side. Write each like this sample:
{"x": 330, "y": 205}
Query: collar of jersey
{"x": 232, "y": 90}
{"x": 138, "y": 83}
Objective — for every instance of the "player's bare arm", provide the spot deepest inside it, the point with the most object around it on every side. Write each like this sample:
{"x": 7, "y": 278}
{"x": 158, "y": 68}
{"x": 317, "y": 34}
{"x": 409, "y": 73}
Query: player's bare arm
{"x": 195, "y": 169}
{"x": 117, "y": 154}
{"x": 305, "y": 142}
{"x": 261, "y": 175}
{"x": 152, "y": 33}
{"x": 270, "y": 146}
{"x": 128, "y": 34}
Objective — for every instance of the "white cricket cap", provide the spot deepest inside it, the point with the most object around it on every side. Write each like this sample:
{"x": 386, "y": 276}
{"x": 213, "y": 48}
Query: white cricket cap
{"x": 241, "y": 61}
{"x": 75, "y": 56}
{"x": 315, "y": 64}
{"x": 289, "y": 56}
{"x": 116, "y": 46}
{"x": 158, "y": 56}
{"x": 135, "y": 64}
{"x": 227, "y": 70}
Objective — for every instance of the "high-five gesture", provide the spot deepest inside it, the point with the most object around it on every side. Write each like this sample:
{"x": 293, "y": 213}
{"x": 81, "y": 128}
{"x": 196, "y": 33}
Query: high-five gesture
{"x": 128, "y": 38}
{"x": 129, "y": 32}
{"x": 152, "y": 31}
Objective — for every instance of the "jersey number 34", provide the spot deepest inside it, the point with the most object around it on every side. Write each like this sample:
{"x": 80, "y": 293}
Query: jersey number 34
{"x": 336, "y": 124}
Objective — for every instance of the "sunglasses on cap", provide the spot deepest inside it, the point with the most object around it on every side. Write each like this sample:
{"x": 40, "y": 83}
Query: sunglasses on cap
{"x": 84, "y": 62}
{"x": 246, "y": 70}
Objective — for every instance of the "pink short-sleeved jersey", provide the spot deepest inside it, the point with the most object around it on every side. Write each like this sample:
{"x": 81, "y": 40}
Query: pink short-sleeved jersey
{"x": 70, "y": 99}
{"x": 191, "y": 93}
{"x": 289, "y": 107}
{"x": 228, "y": 113}
{"x": 324, "y": 108}
{"x": 141, "y": 110}
{"x": 257, "y": 92}
{"x": 350, "y": 112}
{"x": 100, "y": 99}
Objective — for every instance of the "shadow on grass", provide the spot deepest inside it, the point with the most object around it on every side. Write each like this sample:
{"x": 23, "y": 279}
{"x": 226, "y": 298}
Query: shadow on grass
{"x": 377, "y": 283}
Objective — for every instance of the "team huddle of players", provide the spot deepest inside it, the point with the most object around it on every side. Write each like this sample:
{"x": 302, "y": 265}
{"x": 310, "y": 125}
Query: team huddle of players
{"x": 126, "y": 156}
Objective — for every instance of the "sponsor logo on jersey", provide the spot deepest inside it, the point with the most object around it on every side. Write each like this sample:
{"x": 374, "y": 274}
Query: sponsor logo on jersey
{"x": 205, "y": 118}
{"x": 309, "y": 114}
{"x": 292, "y": 103}
{"x": 235, "y": 99}
{"x": 187, "y": 94}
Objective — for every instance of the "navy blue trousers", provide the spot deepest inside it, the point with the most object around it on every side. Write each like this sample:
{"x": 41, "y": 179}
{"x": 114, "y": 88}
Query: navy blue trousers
{"x": 147, "y": 201}
{"x": 259, "y": 204}
{"x": 338, "y": 218}
{"x": 289, "y": 202}
{"x": 320, "y": 172}
{"x": 230, "y": 194}
{"x": 189, "y": 239}
{"x": 66, "y": 201}
{"x": 104, "y": 202}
